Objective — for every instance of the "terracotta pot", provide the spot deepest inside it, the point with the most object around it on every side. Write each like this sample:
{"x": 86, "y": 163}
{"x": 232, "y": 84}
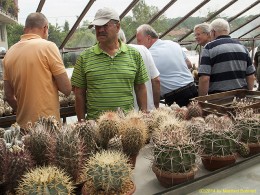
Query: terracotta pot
{"x": 212, "y": 163}
{"x": 168, "y": 179}
{"x": 254, "y": 148}
{"x": 128, "y": 189}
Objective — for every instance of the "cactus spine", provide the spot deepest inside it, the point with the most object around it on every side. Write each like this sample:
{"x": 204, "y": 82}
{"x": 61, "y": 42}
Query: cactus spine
{"x": 107, "y": 171}
{"x": 45, "y": 181}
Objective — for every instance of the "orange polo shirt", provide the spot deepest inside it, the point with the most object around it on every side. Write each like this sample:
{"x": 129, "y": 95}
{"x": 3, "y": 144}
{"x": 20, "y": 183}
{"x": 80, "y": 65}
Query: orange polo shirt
{"x": 29, "y": 66}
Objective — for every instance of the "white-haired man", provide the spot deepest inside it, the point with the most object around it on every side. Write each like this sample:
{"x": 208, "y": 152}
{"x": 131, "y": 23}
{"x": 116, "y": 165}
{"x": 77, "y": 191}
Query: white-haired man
{"x": 225, "y": 63}
{"x": 202, "y": 33}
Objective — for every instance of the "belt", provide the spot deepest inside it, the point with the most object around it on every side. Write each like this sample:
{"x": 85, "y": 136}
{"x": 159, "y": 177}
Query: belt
{"x": 179, "y": 90}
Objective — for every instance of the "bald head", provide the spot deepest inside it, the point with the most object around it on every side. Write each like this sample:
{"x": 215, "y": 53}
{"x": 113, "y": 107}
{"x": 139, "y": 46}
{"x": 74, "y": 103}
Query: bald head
{"x": 36, "y": 20}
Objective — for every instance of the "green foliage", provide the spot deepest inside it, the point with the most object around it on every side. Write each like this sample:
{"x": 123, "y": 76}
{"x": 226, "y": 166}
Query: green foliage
{"x": 14, "y": 31}
{"x": 66, "y": 27}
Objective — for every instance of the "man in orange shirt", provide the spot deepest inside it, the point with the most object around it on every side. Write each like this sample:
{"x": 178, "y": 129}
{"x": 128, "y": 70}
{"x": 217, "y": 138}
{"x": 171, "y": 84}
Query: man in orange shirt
{"x": 33, "y": 73}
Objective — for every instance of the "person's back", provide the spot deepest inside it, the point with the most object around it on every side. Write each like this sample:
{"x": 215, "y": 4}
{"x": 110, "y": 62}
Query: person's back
{"x": 152, "y": 74}
{"x": 33, "y": 67}
{"x": 225, "y": 63}
{"x": 169, "y": 59}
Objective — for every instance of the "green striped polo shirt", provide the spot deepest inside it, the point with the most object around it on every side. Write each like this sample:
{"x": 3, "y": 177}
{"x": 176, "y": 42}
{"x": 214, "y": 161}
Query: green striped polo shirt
{"x": 109, "y": 80}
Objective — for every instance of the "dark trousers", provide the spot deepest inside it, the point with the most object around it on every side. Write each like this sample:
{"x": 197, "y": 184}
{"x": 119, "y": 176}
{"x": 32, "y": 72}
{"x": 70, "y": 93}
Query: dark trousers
{"x": 182, "y": 95}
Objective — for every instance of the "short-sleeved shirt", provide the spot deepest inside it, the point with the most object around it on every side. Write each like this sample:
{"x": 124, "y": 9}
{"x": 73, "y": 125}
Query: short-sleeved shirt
{"x": 227, "y": 62}
{"x": 29, "y": 66}
{"x": 152, "y": 73}
{"x": 169, "y": 59}
{"x": 109, "y": 81}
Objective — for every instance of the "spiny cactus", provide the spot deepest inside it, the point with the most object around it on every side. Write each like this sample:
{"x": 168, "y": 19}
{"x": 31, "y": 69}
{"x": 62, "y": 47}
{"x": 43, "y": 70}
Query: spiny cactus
{"x": 107, "y": 171}
{"x": 37, "y": 142}
{"x": 134, "y": 134}
{"x": 195, "y": 126}
{"x": 174, "y": 150}
{"x": 193, "y": 110}
{"x": 45, "y": 181}
{"x": 243, "y": 149}
{"x": 248, "y": 123}
{"x": 88, "y": 132}
{"x": 3, "y": 150}
{"x": 68, "y": 152}
{"x": 50, "y": 123}
{"x": 115, "y": 143}
{"x": 108, "y": 127}
{"x": 219, "y": 137}
{"x": 16, "y": 162}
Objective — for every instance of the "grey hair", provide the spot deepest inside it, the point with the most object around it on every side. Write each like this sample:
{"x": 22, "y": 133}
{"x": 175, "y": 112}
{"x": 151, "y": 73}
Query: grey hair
{"x": 36, "y": 20}
{"x": 203, "y": 26}
{"x": 121, "y": 36}
{"x": 219, "y": 25}
{"x": 146, "y": 29}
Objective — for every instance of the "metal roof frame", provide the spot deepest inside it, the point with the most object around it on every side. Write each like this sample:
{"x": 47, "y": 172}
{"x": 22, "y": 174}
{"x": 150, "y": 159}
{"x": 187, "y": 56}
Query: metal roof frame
{"x": 162, "y": 11}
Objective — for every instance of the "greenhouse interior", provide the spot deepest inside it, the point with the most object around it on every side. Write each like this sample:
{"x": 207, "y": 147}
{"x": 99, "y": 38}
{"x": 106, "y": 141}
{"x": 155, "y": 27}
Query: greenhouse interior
{"x": 210, "y": 146}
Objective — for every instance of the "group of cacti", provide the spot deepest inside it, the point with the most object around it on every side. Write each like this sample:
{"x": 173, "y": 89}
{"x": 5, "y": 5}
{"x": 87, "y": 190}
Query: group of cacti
{"x": 97, "y": 152}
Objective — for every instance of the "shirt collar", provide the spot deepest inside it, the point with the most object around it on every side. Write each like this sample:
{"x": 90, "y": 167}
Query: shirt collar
{"x": 25, "y": 37}
{"x": 223, "y": 36}
{"x": 122, "y": 48}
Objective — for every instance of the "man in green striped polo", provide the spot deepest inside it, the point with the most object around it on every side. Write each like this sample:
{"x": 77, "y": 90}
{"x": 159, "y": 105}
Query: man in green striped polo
{"x": 105, "y": 74}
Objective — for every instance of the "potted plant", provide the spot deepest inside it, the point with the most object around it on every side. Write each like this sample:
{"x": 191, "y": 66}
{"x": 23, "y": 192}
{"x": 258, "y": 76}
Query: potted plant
{"x": 108, "y": 172}
{"x": 174, "y": 153}
{"x": 218, "y": 141}
{"x": 248, "y": 125}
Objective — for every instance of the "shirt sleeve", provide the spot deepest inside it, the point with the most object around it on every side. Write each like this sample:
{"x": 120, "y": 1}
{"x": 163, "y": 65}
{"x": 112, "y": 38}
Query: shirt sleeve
{"x": 141, "y": 74}
{"x": 205, "y": 65}
{"x": 78, "y": 78}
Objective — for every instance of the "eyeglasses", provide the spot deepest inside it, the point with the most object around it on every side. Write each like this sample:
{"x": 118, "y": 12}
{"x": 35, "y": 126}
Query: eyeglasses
{"x": 106, "y": 26}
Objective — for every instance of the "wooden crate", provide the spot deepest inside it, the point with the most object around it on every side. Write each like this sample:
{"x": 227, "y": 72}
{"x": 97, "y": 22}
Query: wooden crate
{"x": 221, "y": 103}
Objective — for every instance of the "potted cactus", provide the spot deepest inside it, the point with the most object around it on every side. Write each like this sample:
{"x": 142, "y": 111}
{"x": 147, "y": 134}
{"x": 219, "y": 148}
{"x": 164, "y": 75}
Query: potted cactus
{"x": 45, "y": 180}
{"x": 108, "y": 172}
{"x": 248, "y": 125}
{"x": 218, "y": 140}
{"x": 174, "y": 153}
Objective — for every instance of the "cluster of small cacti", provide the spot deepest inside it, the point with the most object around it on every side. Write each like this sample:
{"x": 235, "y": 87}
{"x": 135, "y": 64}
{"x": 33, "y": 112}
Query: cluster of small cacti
{"x": 50, "y": 123}
{"x": 242, "y": 102}
{"x": 66, "y": 100}
{"x": 107, "y": 171}
{"x": 46, "y": 181}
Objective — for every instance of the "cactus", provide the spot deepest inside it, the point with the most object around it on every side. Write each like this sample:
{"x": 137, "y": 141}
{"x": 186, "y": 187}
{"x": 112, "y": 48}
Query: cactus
{"x": 50, "y": 123}
{"x": 16, "y": 162}
{"x": 174, "y": 150}
{"x": 193, "y": 110}
{"x": 68, "y": 152}
{"x": 3, "y": 150}
{"x": 134, "y": 135}
{"x": 38, "y": 141}
{"x": 88, "y": 132}
{"x": 243, "y": 149}
{"x": 107, "y": 171}
{"x": 195, "y": 126}
{"x": 115, "y": 144}
{"x": 45, "y": 181}
{"x": 219, "y": 137}
{"x": 108, "y": 127}
{"x": 248, "y": 123}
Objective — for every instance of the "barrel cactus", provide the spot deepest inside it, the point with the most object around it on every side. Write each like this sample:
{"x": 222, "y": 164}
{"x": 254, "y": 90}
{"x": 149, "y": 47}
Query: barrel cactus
{"x": 37, "y": 142}
{"x": 108, "y": 127}
{"x": 46, "y": 181}
{"x": 107, "y": 171}
{"x": 174, "y": 150}
{"x": 68, "y": 152}
{"x": 219, "y": 137}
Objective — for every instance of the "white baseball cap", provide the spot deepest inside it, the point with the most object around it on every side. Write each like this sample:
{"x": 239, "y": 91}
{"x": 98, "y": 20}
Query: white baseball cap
{"x": 103, "y": 16}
